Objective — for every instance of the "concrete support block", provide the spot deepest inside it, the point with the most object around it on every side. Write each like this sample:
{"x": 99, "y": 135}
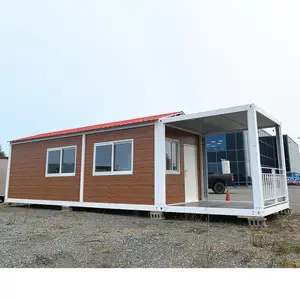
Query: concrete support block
{"x": 286, "y": 212}
{"x": 66, "y": 208}
{"x": 257, "y": 222}
{"x": 158, "y": 215}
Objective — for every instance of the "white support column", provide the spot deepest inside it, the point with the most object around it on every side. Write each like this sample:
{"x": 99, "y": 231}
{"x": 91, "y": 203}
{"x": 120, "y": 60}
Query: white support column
{"x": 204, "y": 168}
{"x": 159, "y": 165}
{"x": 7, "y": 174}
{"x": 255, "y": 165}
{"x": 82, "y": 168}
{"x": 281, "y": 156}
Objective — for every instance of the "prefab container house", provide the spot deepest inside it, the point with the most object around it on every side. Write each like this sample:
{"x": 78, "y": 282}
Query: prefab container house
{"x": 156, "y": 163}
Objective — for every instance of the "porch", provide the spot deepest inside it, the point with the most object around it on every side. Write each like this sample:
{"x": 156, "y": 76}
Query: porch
{"x": 268, "y": 193}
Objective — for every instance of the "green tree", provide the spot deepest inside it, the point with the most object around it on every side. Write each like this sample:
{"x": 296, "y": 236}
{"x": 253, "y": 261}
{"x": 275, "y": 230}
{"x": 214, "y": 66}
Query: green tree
{"x": 1, "y": 151}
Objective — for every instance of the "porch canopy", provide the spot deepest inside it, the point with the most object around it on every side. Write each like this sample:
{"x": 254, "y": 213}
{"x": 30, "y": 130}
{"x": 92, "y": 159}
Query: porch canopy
{"x": 267, "y": 192}
{"x": 222, "y": 120}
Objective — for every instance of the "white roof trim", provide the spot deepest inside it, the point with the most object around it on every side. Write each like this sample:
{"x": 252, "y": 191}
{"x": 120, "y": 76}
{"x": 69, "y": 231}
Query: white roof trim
{"x": 205, "y": 114}
{"x": 220, "y": 112}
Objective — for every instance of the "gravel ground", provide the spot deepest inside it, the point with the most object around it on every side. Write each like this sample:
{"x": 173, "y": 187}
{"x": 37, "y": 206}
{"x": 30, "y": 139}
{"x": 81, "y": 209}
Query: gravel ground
{"x": 36, "y": 238}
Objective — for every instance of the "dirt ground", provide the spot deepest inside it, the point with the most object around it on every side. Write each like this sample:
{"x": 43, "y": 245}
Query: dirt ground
{"x": 40, "y": 237}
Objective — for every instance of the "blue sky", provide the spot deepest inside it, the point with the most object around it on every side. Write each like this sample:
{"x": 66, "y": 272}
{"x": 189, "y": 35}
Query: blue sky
{"x": 65, "y": 64}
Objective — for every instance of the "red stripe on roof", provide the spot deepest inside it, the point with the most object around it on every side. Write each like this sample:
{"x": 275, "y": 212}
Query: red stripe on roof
{"x": 96, "y": 127}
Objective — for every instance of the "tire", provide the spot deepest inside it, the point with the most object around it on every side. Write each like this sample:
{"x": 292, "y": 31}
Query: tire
{"x": 219, "y": 187}
{"x": 1, "y": 199}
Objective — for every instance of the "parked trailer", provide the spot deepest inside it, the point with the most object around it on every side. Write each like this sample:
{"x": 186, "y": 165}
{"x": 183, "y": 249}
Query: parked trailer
{"x": 3, "y": 171}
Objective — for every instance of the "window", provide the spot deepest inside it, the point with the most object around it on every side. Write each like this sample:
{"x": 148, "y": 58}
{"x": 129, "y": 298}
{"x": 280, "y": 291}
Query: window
{"x": 113, "y": 158}
{"x": 211, "y": 156}
{"x": 239, "y": 140}
{"x": 172, "y": 156}
{"x": 231, "y": 155}
{"x": 61, "y": 161}
{"x": 230, "y": 141}
{"x": 221, "y": 155}
{"x": 216, "y": 142}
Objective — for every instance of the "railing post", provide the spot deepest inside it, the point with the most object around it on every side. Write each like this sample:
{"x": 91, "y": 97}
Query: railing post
{"x": 274, "y": 186}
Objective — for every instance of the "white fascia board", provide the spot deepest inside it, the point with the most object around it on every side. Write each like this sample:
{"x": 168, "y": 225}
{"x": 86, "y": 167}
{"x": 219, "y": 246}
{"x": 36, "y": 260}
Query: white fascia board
{"x": 275, "y": 208}
{"x": 82, "y": 204}
{"x": 267, "y": 115}
{"x": 210, "y": 210}
{"x": 206, "y": 114}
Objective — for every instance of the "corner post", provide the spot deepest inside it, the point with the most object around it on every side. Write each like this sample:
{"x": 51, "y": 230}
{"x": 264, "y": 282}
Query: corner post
{"x": 82, "y": 168}
{"x": 159, "y": 165}
{"x": 204, "y": 168}
{"x": 255, "y": 164}
{"x": 281, "y": 158}
{"x": 7, "y": 174}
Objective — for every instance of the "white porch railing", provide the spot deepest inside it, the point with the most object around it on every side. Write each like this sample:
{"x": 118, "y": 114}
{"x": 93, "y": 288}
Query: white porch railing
{"x": 274, "y": 186}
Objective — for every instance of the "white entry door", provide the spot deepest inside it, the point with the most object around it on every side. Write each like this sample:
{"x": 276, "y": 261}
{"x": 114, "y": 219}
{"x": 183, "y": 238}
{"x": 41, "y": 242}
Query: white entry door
{"x": 190, "y": 173}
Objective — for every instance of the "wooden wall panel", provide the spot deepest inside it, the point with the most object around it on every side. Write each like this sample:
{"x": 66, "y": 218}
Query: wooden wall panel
{"x": 137, "y": 188}
{"x": 28, "y": 167}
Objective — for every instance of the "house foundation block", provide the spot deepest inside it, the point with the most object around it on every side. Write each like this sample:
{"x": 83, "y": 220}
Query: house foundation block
{"x": 286, "y": 212}
{"x": 257, "y": 222}
{"x": 158, "y": 215}
{"x": 66, "y": 208}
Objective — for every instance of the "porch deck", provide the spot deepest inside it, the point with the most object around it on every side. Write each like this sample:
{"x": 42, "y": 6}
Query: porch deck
{"x": 219, "y": 204}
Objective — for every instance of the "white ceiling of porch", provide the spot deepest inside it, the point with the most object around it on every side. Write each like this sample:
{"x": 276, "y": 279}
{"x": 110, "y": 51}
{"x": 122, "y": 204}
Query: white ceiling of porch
{"x": 228, "y": 122}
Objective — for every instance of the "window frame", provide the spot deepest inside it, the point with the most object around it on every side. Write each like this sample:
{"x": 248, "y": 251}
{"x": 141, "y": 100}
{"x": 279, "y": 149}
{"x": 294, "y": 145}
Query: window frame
{"x": 177, "y": 172}
{"x": 60, "y": 174}
{"x": 112, "y": 172}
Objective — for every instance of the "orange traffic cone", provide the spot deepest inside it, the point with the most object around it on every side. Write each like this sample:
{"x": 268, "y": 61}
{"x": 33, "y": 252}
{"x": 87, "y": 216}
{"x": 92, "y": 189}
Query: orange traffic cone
{"x": 227, "y": 196}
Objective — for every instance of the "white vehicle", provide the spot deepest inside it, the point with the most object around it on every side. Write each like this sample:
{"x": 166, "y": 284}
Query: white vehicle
{"x": 3, "y": 171}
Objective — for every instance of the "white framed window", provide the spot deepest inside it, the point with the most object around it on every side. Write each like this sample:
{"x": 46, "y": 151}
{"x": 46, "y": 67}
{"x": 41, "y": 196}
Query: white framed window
{"x": 113, "y": 158}
{"x": 61, "y": 161}
{"x": 172, "y": 156}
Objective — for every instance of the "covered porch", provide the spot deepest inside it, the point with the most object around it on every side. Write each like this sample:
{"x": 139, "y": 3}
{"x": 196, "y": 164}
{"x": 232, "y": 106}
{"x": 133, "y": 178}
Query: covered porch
{"x": 268, "y": 193}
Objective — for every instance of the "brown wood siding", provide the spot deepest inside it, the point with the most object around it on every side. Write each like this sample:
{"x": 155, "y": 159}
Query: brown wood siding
{"x": 175, "y": 190}
{"x": 137, "y": 188}
{"x": 28, "y": 167}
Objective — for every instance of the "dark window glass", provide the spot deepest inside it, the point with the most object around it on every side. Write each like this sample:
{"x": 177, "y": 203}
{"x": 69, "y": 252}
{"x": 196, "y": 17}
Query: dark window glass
{"x": 68, "y": 160}
{"x": 241, "y": 166}
{"x": 53, "y": 161}
{"x": 233, "y": 167}
{"x": 103, "y": 158}
{"x": 231, "y": 155}
{"x": 212, "y": 168}
{"x": 230, "y": 141}
{"x": 263, "y": 161}
{"x": 168, "y": 156}
{"x": 242, "y": 173}
{"x": 239, "y": 140}
{"x": 211, "y": 156}
{"x": 221, "y": 155}
{"x": 122, "y": 156}
{"x": 240, "y": 155}
{"x": 216, "y": 142}
{"x": 172, "y": 156}
{"x": 219, "y": 168}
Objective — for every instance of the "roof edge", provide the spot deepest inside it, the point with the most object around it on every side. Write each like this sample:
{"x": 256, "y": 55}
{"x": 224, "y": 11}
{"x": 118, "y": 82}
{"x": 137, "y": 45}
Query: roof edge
{"x": 92, "y": 128}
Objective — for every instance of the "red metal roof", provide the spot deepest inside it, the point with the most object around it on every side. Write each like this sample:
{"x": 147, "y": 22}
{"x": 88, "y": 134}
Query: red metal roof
{"x": 96, "y": 127}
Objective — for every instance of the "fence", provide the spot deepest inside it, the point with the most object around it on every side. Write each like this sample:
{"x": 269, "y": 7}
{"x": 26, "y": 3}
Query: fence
{"x": 274, "y": 186}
